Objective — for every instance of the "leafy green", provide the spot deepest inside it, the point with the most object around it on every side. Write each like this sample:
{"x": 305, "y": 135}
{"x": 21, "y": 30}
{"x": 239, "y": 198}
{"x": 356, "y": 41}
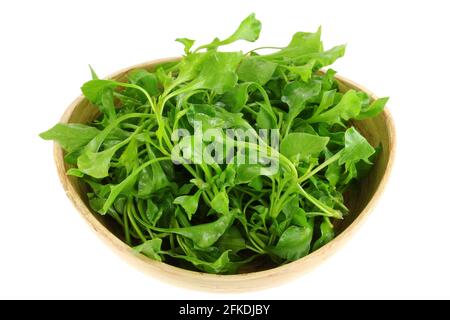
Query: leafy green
{"x": 147, "y": 80}
{"x": 220, "y": 265}
{"x": 294, "y": 243}
{"x": 275, "y": 146}
{"x": 248, "y": 30}
{"x": 349, "y": 107}
{"x": 96, "y": 164}
{"x": 373, "y": 109}
{"x": 356, "y": 147}
{"x": 150, "y": 248}
{"x": 256, "y": 70}
{"x": 220, "y": 203}
{"x": 93, "y": 90}
{"x": 204, "y": 235}
{"x": 326, "y": 234}
{"x": 188, "y": 43}
{"x": 303, "y": 144}
{"x": 70, "y": 136}
{"x": 189, "y": 203}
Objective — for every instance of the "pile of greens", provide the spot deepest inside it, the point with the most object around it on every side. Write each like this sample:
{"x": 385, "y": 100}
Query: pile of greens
{"x": 224, "y": 217}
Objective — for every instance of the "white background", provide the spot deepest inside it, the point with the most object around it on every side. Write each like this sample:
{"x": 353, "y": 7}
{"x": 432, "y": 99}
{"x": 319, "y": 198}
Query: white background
{"x": 395, "y": 48}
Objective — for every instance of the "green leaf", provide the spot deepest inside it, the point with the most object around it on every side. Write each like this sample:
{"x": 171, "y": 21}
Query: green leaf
{"x": 93, "y": 90}
{"x": 327, "y": 234}
{"x": 189, "y": 203}
{"x": 74, "y": 172}
{"x": 302, "y": 43}
{"x": 125, "y": 184}
{"x": 129, "y": 157}
{"x": 256, "y": 70}
{"x": 256, "y": 183}
{"x": 227, "y": 177}
{"x": 220, "y": 265}
{"x": 326, "y": 102}
{"x": 188, "y": 43}
{"x": 93, "y": 73}
{"x": 152, "y": 178}
{"x": 147, "y": 80}
{"x": 153, "y": 212}
{"x": 349, "y": 107}
{"x": 302, "y": 144}
{"x": 265, "y": 120}
{"x": 220, "y": 203}
{"x": 236, "y": 98}
{"x": 333, "y": 172}
{"x": 248, "y": 30}
{"x": 356, "y": 147}
{"x": 185, "y": 189}
{"x": 98, "y": 197}
{"x": 304, "y": 71}
{"x": 373, "y": 109}
{"x": 70, "y": 136}
{"x": 232, "y": 240}
{"x": 245, "y": 173}
{"x": 151, "y": 249}
{"x": 96, "y": 164}
{"x": 328, "y": 57}
{"x": 297, "y": 93}
{"x": 107, "y": 104}
{"x": 294, "y": 212}
{"x": 212, "y": 117}
{"x": 294, "y": 243}
{"x": 218, "y": 71}
{"x": 204, "y": 235}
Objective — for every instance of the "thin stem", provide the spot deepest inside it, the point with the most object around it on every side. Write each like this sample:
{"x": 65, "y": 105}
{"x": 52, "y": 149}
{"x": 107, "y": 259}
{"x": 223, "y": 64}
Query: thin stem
{"x": 268, "y": 105}
{"x": 261, "y": 48}
{"x": 117, "y": 189}
{"x": 320, "y": 167}
{"x": 329, "y": 211}
{"x": 254, "y": 249}
{"x": 253, "y": 112}
{"x": 131, "y": 212}
{"x": 126, "y": 229}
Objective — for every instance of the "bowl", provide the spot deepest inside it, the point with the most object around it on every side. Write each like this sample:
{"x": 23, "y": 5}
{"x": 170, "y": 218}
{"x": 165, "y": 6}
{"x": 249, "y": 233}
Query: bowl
{"x": 378, "y": 131}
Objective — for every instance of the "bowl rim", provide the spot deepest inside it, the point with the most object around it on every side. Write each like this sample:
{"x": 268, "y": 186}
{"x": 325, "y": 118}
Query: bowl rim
{"x": 200, "y": 280}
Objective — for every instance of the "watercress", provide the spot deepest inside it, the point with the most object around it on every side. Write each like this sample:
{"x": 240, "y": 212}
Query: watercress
{"x": 214, "y": 215}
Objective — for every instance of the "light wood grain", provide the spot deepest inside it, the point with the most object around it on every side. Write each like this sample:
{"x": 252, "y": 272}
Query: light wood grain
{"x": 379, "y": 130}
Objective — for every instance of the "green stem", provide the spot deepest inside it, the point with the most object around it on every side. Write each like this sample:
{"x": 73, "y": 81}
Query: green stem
{"x": 131, "y": 212}
{"x": 95, "y": 144}
{"x": 261, "y": 48}
{"x": 117, "y": 189}
{"x": 285, "y": 198}
{"x": 283, "y": 160}
{"x": 126, "y": 228}
{"x": 327, "y": 210}
{"x": 267, "y": 106}
{"x": 157, "y": 111}
{"x": 326, "y": 163}
{"x": 250, "y": 110}
{"x": 179, "y": 115}
{"x": 254, "y": 249}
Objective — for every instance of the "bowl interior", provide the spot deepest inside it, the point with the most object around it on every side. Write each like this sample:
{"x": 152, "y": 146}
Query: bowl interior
{"x": 378, "y": 131}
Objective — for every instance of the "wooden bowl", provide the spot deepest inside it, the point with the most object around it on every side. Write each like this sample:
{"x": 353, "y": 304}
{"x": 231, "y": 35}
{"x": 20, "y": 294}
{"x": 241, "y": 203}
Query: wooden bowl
{"x": 379, "y": 130}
